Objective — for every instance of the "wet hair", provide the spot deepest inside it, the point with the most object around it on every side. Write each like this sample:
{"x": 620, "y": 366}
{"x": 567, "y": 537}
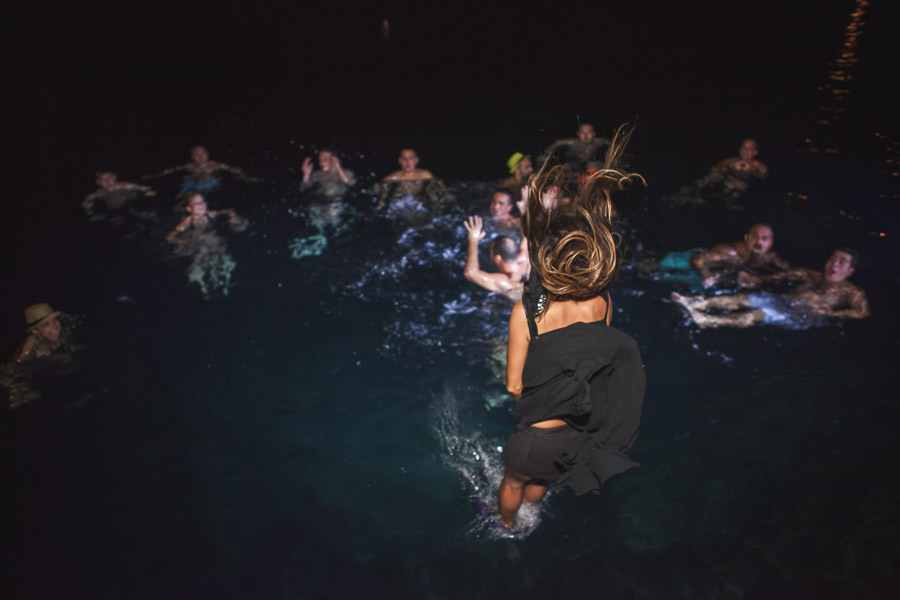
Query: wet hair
{"x": 854, "y": 255}
{"x": 505, "y": 247}
{"x": 572, "y": 244}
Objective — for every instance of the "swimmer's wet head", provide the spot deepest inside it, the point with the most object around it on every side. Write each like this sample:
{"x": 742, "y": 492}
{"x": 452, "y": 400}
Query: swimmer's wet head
{"x": 106, "y": 179}
{"x": 841, "y": 265}
{"x": 748, "y": 149}
{"x": 760, "y": 239}
{"x": 501, "y": 204}
{"x": 408, "y": 160}
{"x": 196, "y": 205}
{"x": 199, "y": 155}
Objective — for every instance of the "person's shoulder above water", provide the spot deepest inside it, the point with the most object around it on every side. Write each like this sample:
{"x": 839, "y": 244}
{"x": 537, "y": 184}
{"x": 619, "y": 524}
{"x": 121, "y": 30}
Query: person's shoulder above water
{"x": 409, "y": 170}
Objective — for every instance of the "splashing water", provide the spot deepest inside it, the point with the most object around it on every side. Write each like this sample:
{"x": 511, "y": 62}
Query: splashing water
{"x": 479, "y": 463}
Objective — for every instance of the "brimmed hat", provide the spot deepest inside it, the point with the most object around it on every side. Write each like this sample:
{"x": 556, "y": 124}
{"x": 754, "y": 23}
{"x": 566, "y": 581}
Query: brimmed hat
{"x": 38, "y": 313}
{"x": 514, "y": 161}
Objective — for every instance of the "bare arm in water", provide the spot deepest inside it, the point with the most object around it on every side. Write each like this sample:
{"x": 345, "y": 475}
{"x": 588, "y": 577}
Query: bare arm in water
{"x": 494, "y": 282}
{"x": 720, "y": 256}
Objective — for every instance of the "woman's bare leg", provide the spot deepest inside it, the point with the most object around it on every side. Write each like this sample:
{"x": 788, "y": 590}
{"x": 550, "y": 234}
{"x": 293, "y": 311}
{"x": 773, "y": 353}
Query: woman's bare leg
{"x": 534, "y": 492}
{"x": 515, "y": 489}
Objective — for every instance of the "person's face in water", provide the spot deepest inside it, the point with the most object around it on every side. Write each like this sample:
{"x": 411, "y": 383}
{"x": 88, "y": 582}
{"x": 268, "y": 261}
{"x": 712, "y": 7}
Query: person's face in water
{"x": 586, "y": 133}
{"x": 408, "y": 160}
{"x": 838, "y": 267}
{"x": 326, "y": 160}
{"x": 759, "y": 240}
{"x": 49, "y": 329}
{"x": 106, "y": 180}
{"x": 748, "y": 150}
{"x": 501, "y": 206}
{"x": 199, "y": 155}
{"x": 525, "y": 168}
{"x": 196, "y": 205}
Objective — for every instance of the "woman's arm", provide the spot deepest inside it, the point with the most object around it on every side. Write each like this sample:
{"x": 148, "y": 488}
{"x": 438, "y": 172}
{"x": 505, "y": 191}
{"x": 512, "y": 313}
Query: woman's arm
{"x": 516, "y": 350}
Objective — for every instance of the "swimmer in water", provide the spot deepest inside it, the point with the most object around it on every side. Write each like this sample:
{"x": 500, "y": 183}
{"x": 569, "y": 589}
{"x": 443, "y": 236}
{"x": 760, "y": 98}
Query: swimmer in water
{"x": 752, "y": 258}
{"x": 569, "y": 428}
{"x": 200, "y": 218}
{"x": 332, "y": 180}
{"x": 48, "y": 343}
{"x": 732, "y": 175}
{"x": 195, "y": 236}
{"x": 739, "y": 170}
{"x": 501, "y": 209}
{"x": 410, "y": 182}
{"x": 511, "y": 260}
{"x": 45, "y": 334}
{"x": 201, "y": 170}
{"x": 826, "y": 293}
{"x": 113, "y": 194}
{"x": 520, "y": 168}
{"x": 583, "y": 151}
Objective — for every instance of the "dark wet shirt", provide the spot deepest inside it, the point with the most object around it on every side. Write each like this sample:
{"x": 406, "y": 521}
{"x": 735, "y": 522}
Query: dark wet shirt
{"x": 591, "y": 376}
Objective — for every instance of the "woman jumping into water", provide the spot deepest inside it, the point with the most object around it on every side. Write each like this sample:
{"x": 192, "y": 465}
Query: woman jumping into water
{"x": 578, "y": 383}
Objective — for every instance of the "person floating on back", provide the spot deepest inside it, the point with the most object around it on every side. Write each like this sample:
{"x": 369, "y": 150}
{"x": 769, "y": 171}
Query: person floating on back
{"x": 819, "y": 294}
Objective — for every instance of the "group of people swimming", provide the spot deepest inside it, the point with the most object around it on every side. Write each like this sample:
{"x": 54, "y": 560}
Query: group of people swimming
{"x": 748, "y": 266}
{"x": 577, "y": 381}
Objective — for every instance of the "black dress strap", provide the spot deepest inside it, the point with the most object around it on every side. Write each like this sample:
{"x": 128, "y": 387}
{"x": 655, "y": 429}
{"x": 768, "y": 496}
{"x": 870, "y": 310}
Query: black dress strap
{"x": 606, "y": 310}
{"x": 531, "y": 300}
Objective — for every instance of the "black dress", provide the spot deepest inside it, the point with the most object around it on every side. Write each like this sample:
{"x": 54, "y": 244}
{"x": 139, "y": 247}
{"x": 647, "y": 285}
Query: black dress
{"x": 591, "y": 376}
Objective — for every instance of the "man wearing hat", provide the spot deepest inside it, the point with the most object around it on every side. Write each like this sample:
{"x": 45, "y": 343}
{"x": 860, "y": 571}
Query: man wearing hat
{"x": 520, "y": 169}
{"x": 44, "y": 333}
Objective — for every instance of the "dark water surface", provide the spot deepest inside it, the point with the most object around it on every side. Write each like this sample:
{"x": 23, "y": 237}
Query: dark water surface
{"x": 327, "y": 429}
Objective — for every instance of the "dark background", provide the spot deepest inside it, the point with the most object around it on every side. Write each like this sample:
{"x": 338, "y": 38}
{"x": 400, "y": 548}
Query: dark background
{"x": 185, "y": 429}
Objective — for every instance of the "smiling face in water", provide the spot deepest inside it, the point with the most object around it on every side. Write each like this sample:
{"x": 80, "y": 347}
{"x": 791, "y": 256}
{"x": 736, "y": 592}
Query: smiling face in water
{"x": 501, "y": 205}
{"x": 408, "y": 160}
{"x": 759, "y": 239}
{"x": 839, "y": 266}
{"x": 196, "y": 205}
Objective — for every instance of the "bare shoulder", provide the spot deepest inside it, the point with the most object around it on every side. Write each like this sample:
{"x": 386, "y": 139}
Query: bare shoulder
{"x": 518, "y": 312}
{"x": 518, "y": 323}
